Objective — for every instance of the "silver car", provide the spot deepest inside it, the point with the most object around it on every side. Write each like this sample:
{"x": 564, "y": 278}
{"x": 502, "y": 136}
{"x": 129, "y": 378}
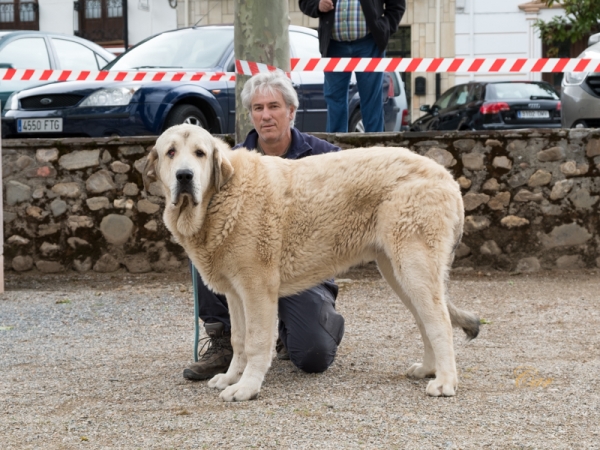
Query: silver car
{"x": 580, "y": 96}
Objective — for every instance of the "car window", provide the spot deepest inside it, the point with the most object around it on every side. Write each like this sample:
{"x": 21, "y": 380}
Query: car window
{"x": 101, "y": 61}
{"x": 304, "y": 45}
{"x": 460, "y": 97}
{"x": 476, "y": 94}
{"x": 444, "y": 100}
{"x": 200, "y": 48}
{"x": 26, "y": 53}
{"x": 520, "y": 91}
{"x": 74, "y": 56}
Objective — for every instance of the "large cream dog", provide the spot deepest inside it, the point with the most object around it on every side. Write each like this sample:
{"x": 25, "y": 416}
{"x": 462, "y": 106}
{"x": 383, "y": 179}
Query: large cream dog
{"x": 259, "y": 227}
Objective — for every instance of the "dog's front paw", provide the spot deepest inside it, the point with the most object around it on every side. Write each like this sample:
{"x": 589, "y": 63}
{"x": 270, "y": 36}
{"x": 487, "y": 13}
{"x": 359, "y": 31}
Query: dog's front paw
{"x": 220, "y": 381}
{"x": 442, "y": 387}
{"x": 419, "y": 371}
{"x": 240, "y": 393}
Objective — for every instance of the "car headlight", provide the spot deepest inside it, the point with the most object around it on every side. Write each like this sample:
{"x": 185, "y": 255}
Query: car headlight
{"x": 110, "y": 97}
{"x": 574, "y": 78}
{"x": 12, "y": 102}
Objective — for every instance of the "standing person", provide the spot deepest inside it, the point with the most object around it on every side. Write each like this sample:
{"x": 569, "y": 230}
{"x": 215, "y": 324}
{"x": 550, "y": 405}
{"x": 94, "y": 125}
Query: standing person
{"x": 354, "y": 29}
{"x": 310, "y": 329}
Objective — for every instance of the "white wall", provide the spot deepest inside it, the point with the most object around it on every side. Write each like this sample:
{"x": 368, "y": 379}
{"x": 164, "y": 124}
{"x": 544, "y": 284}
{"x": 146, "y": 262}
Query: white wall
{"x": 149, "y": 17}
{"x": 498, "y": 29}
{"x": 56, "y": 16}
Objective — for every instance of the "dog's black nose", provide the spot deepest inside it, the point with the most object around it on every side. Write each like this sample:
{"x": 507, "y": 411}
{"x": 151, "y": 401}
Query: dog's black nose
{"x": 184, "y": 176}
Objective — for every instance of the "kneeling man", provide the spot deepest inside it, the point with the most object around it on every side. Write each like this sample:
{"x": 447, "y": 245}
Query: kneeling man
{"x": 310, "y": 329}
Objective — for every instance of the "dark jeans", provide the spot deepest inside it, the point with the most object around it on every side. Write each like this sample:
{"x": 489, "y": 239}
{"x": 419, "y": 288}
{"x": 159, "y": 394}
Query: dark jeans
{"x": 370, "y": 86}
{"x": 309, "y": 326}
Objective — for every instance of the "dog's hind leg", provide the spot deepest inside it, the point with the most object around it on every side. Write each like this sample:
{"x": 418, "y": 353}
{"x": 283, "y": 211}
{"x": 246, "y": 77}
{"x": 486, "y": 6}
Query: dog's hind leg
{"x": 418, "y": 279}
{"x": 417, "y": 370}
{"x": 238, "y": 330}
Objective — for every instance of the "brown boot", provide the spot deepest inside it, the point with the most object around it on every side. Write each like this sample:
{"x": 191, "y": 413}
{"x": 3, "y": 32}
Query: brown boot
{"x": 216, "y": 358}
{"x": 282, "y": 352}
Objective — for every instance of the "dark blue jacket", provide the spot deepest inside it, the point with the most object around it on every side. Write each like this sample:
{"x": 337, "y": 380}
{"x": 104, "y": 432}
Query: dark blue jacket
{"x": 302, "y": 145}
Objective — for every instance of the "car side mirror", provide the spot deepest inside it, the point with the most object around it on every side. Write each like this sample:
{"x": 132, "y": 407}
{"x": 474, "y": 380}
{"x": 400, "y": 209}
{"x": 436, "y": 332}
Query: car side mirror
{"x": 425, "y": 108}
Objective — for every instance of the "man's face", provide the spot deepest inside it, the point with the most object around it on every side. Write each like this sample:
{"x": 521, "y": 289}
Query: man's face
{"x": 270, "y": 116}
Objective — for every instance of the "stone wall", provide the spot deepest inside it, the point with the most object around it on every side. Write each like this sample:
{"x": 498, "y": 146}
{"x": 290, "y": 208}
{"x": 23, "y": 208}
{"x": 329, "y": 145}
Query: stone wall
{"x": 531, "y": 200}
{"x": 79, "y": 204}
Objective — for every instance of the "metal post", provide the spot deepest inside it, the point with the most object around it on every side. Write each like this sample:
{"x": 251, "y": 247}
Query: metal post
{"x": 196, "y": 312}
{"x": 1, "y": 217}
{"x": 125, "y": 27}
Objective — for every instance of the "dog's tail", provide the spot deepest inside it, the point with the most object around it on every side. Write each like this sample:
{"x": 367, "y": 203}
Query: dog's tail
{"x": 466, "y": 320}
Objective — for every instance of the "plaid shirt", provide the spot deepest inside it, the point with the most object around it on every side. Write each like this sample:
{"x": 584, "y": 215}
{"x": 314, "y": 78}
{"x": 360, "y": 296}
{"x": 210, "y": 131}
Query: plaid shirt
{"x": 349, "y": 23}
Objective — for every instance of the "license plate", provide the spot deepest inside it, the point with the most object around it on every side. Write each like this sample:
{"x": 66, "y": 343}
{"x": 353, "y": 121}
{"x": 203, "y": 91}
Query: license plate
{"x": 533, "y": 114}
{"x": 39, "y": 125}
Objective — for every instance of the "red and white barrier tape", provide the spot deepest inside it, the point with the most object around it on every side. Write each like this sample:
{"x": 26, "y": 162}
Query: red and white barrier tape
{"x": 438, "y": 65}
{"x": 455, "y": 65}
{"x": 84, "y": 75}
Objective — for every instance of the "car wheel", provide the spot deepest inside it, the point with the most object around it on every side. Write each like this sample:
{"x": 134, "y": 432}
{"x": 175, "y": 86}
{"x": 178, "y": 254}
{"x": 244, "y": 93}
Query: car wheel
{"x": 186, "y": 114}
{"x": 356, "y": 124}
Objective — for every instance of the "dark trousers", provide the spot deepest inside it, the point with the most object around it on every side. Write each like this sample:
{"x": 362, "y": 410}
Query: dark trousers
{"x": 309, "y": 326}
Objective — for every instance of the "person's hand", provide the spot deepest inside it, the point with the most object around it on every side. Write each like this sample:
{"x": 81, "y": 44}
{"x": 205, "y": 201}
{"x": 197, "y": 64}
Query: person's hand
{"x": 325, "y": 5}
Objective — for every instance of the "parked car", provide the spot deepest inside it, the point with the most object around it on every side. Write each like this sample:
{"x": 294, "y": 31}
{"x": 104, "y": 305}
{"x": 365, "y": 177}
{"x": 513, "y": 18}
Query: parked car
{"x": 96, "y": 109}
{"x": 580, "y": 94}
{"x": 402, "y": 120}
{"x": 502, "y": 105}
{"x": 44, "y": 50}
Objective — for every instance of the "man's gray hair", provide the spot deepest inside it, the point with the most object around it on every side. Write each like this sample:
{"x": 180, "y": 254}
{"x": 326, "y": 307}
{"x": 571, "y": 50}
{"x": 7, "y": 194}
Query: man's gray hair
{"x": 270, "y": 83}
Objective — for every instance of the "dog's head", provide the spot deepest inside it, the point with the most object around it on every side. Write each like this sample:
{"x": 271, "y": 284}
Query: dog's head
{"x": 191, "y": 166}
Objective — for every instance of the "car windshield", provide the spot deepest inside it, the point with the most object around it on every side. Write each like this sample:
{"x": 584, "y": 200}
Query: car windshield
{"x": 521, "y": 91}
{"x": 199, "y": 48}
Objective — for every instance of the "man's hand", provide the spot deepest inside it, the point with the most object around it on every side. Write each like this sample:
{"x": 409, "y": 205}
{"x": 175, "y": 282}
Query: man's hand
{"x": 325, "y": 5}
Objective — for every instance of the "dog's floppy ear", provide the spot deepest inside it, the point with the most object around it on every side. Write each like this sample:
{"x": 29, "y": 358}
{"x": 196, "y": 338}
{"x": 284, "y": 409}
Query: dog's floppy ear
{"x": 222, "y": 168}
{"x": 149, "y": 173}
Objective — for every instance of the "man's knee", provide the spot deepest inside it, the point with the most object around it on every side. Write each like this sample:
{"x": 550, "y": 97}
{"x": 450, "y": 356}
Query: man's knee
{"x": 315, "y": 359}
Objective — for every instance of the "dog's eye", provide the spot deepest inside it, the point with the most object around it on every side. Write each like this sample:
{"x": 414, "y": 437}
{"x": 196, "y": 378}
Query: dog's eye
{"x": 200, "y": 153}
{"x": 171, "y": 152}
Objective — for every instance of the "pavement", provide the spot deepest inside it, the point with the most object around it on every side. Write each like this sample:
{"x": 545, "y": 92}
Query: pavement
{"x": 95, "y": 361}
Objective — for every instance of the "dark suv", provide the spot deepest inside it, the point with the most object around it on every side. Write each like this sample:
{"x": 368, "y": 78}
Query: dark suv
{"x": 502, "y": 105}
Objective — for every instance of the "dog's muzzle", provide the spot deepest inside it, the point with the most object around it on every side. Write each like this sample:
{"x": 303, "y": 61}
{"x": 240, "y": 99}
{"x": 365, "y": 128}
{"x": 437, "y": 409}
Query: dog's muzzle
{"x": 185, "y": 184}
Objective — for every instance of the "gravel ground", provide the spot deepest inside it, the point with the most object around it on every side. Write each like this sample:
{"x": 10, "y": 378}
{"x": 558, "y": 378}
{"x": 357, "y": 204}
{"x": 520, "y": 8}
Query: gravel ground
{"x": 95, "y": 361}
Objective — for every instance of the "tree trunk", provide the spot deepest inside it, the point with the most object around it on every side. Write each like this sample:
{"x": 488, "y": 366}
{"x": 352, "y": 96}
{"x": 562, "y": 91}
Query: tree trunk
{"x": 260, "y": 35}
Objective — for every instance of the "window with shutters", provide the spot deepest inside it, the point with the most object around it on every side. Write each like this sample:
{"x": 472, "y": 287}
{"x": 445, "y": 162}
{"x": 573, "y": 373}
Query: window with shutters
{"x": 101, "y": 21}
{"x": 19, "y": 15}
